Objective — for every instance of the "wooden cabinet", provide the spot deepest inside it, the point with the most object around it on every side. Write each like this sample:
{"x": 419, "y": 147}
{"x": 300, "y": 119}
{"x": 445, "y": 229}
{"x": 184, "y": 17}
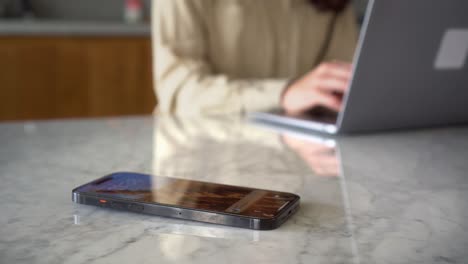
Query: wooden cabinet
{"x": 61, "y": 77}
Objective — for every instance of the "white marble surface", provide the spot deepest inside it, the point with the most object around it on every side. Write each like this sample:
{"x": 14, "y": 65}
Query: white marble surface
{"x": 386, "y": 198}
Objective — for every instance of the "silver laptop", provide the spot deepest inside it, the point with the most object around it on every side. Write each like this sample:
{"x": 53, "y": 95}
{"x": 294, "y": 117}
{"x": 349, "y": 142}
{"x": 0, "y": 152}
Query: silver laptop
{"x": 410, "y": 70}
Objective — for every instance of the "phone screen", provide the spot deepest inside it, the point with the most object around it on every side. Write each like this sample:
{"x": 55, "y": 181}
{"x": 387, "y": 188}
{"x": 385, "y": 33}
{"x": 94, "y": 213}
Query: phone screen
{"x": 190, "y": 194}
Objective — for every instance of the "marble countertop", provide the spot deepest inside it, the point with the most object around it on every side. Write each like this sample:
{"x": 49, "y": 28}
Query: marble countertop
{"x": 73, "y": 28}
{"x": 398, "y": 197}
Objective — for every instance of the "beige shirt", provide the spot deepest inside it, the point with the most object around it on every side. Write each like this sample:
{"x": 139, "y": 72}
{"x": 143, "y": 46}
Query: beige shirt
{"x": 226, "y": 56}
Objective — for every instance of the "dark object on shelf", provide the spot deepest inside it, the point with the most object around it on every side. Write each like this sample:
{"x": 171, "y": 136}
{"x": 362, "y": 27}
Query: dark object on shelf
{"x": 16, "y": 9}
{"x": 27, "y": 9}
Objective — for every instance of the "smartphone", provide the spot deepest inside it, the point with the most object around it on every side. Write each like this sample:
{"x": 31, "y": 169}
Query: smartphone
{"x": 190, "y": 200}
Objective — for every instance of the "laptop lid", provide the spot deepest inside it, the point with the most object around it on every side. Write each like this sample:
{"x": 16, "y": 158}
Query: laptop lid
{"x": 410, "y": 67}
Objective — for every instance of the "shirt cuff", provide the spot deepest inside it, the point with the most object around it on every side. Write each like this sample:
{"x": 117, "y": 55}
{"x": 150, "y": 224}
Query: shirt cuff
{"x": 268, "y": 95}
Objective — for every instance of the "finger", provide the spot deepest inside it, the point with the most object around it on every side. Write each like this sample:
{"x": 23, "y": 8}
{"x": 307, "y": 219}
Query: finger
{"x": 329, "y": 101}
{"x": 334, "y": 73}
{"x": 322, "y": 167}
{"x": 335, "y": 69}
{"x": 292, "y": 142}
{"x": 317, "y": 149}
{"x": 333, "y": 85}
{"x": 342, "y": 63}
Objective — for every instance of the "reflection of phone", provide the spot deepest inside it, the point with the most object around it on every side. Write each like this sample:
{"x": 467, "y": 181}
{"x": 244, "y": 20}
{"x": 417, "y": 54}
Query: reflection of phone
{"x": 191, "y": 200}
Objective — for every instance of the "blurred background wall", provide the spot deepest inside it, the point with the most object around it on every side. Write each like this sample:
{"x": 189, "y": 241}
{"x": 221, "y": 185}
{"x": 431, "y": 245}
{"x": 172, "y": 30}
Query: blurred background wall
{"x": 76, "y": 58}
{"x": 73, "y": 58}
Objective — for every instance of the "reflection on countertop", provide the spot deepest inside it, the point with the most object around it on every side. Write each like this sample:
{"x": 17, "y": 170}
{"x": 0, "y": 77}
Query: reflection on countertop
{"x": 384, "y": 198}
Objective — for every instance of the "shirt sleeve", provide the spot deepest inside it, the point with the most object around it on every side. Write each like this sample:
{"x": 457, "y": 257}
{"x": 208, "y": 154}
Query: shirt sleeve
{"x": 344, "y": 38}
{"x": 185, "y": 81}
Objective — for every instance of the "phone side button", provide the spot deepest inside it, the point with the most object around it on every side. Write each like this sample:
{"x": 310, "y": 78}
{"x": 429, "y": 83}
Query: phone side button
{"x": 135, "y": 207}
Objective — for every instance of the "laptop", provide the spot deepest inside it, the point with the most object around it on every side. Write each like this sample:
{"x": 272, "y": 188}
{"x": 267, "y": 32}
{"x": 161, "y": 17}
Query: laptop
{"x": 410, "y": 70}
